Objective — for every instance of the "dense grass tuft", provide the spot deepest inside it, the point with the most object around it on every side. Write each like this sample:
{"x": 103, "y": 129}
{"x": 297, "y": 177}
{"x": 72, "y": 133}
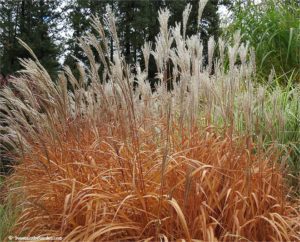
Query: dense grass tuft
{"x": 8, "y": 210}
{"x": 197, "y": 187}
{"x": 104, "y": 157}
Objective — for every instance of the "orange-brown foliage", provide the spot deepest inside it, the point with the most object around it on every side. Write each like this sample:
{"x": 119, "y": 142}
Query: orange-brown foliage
{"x": 199, "y": 186}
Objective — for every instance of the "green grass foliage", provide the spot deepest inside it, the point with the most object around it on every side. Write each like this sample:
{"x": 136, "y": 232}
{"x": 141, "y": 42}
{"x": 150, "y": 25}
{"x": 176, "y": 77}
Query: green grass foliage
{"x": 273, "y": 29}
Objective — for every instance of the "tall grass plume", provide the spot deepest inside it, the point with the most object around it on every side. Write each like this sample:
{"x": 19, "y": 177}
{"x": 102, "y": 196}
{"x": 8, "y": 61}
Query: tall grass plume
{"x": 104, "y": 157}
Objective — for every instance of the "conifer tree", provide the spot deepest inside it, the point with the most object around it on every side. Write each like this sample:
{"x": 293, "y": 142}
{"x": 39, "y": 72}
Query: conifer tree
{"x": 35, "y": 22}
{"x": 136, "y": 23}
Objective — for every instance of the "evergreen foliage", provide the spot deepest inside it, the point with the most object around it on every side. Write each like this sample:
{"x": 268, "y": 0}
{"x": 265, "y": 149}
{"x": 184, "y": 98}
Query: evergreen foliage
{"x": 36, "y": 23}
{"x": 137, "y": 22}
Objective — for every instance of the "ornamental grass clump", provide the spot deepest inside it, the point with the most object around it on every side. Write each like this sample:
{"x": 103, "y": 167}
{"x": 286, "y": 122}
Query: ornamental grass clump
{"x": 111, "y": 159}
{"x": 197, "y": 186}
